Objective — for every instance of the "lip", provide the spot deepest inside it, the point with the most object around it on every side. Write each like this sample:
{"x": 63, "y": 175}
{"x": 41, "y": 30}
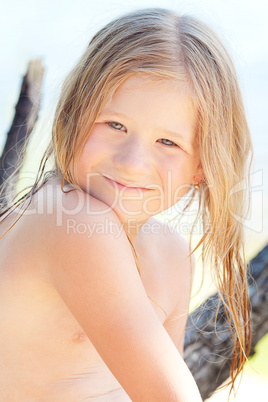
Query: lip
{"x": 125, "y": 187}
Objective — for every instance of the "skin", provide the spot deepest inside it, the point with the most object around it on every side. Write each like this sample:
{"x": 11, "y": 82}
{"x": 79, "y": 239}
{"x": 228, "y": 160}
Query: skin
{"x": 72, "y": 301}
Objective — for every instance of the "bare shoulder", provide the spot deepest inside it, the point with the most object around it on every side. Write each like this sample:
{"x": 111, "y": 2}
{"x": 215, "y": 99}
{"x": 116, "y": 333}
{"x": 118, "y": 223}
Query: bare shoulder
{"x": 68, "y": 212}
{"x": 76, "y": 227}
{"x": 160, "y": 241}
{"x": 162, "y": 231}
{"x": 57, "y": 222}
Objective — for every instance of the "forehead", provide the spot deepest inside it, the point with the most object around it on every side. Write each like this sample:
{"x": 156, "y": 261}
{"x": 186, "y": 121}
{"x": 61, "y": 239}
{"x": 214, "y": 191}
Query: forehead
{"x": 140, "y": 81}
{"x": 152, "y": 90}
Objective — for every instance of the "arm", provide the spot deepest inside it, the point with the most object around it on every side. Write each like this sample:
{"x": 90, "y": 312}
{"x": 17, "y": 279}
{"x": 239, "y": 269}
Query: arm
{"x": 176, "y": 322}
{"x": 164, "y": 254}
{"x": 98, "y": 280}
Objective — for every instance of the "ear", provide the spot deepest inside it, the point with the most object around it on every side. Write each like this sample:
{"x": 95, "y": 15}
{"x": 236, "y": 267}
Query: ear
{"x": 199, "y": 175}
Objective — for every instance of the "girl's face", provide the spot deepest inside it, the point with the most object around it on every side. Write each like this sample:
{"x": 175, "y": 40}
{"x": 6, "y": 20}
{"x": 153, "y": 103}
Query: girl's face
{"x": 141, "y": 155}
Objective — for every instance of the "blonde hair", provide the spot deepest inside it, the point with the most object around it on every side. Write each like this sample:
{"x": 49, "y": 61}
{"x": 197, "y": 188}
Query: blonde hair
{"x": 166, "y": 46}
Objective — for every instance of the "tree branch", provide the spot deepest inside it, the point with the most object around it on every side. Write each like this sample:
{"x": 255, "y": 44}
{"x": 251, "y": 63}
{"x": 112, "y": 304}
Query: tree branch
{"x": 208, "y": 353}
{"x": 24, "y": 120}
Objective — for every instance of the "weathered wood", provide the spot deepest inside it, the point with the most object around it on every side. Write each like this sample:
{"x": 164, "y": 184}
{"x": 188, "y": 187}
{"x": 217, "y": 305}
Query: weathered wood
{"x": 208, "y": 353}
{"x": 24, "y": 120}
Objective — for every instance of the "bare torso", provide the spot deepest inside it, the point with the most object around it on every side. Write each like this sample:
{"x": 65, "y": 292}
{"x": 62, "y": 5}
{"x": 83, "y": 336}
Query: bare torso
{"x": 44, "y": 353}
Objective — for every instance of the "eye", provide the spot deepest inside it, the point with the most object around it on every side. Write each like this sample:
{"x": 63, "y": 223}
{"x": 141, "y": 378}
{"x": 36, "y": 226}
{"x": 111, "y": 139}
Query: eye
{"x": 116, "y": 126}
{"x": 167, "y": 142}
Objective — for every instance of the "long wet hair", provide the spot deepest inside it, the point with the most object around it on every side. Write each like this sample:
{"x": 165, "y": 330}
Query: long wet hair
{"x": 167, "y": 46}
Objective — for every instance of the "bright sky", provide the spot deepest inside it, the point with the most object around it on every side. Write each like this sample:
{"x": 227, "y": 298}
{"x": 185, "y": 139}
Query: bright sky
{"x": 58, "y": 31}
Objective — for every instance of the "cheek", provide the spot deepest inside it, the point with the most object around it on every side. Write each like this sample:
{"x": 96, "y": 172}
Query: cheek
{"x": 177, "y": 178}
{"x": 86, "y": 162}
{"x": 178, "y": 170}
{"x": 93, "y": 152}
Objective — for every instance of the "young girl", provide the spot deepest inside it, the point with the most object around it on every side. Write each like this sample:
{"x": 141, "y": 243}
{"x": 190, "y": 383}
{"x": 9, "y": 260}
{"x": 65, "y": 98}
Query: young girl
{"x": 94, "y": 292}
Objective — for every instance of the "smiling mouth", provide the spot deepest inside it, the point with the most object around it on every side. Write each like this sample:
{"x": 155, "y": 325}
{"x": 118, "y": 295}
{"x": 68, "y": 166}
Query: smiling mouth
{"x": 125, "y": 186}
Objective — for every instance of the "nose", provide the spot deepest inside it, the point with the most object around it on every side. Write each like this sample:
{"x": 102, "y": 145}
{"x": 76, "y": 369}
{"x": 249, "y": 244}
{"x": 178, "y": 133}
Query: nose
{"x": 133, "y": 159}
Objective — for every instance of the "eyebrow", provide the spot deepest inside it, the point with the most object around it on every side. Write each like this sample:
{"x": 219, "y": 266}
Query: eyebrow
{"x": 111, "y": 112}
{"x": 169, "y": 132}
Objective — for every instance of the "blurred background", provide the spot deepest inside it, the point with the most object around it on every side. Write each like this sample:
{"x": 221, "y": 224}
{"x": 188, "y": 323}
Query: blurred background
{"x": 57, "y": 31}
